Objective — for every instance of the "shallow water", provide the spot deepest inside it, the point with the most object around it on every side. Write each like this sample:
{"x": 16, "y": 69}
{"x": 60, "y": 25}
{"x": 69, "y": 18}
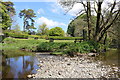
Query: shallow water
{"x": 19, "y": 67}
{"x": 111, "y": 57}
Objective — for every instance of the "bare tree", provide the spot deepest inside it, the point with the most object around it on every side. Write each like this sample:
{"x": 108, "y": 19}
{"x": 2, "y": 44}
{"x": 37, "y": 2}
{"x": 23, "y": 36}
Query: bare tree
{"x": 104, "y": 20}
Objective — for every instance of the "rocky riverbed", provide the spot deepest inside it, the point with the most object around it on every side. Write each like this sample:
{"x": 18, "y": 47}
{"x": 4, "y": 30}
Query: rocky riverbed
{"x": 52, "y": 66}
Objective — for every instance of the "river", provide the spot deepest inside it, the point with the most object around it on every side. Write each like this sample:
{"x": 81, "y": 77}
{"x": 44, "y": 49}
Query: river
{"x": 23, "y": 65}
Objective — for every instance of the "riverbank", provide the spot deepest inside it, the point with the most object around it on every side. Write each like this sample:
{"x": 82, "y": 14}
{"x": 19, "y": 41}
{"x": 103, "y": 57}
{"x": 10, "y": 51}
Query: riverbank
{"x": 76, "y": 67}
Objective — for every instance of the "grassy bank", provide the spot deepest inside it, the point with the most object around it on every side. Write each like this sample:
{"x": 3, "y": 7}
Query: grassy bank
{"x": 56, "y": 47}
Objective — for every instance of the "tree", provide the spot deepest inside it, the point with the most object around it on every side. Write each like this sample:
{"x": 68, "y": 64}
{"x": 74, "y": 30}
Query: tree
{"x": 113, "y": 33}
{"x": 10, "y": 9}
{"x": 57, "y": 31}
{"x": 43, "y": 30}
{"x": 5, "y": 21}
{"x": 77, "y": 25}
{"x": 103, "y": 21}
{"x": 28, "y": 16}
{"x": 16, "y": 28}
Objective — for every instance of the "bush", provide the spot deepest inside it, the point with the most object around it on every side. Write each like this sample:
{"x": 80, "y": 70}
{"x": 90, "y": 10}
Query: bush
{"x": 62, "y": 38}
{"x": 57, "y": 31}
{"x": 69, "y": 48}
{"x": 46, "y": 46}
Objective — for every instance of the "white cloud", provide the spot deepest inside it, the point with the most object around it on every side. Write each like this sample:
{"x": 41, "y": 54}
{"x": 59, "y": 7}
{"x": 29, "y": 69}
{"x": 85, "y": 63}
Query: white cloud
{"x": 76, "y": 9}
{"x": 49, "y": 22}
{"x": 40, "y": 11}
{"x": 56, "y": 8}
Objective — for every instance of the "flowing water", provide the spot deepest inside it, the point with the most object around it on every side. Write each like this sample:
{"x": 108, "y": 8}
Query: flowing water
{"x": 22, "y": 65}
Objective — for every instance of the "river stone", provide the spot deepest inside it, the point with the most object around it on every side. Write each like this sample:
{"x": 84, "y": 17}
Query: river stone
{"x": 57, "y": 67}
{"x": 29, "y": 76}
{"x": 92, "y": 54}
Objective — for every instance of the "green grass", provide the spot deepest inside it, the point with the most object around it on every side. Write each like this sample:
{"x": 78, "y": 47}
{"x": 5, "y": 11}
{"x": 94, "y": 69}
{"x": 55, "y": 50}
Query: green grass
{"x": 57, "y": 47}
{"x": 29, "y": 44}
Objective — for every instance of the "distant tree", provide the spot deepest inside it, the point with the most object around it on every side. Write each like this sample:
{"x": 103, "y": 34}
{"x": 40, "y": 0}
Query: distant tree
{"x": 57, "y": 31}
{"x": 28, "y": 16}
{"x": 43, "y": 30}
{"x": 16, "y": 28}
{"x": 77, "y": 25}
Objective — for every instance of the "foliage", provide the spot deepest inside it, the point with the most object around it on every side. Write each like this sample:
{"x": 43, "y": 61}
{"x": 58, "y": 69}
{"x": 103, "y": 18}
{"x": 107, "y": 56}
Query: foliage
{"x": 5, "y": 21}
{"x": 84, "y": 47}
{"x": 16, "y": 28}
{"x": 41, "y": 45}
{"x": 76, "y": 26}
{"x": 43, "y": 30}
{"x": 9, "y": 6}
{"x": 34, "y": 36}
{"x": 14, "y": 34}
{"x": 63, "y": 38}
{"x": 113, "y": 34}
{"x": 96, "y": 29}
{"x": 10, "y": 10}
{"x": 27, "y": 15}
{"x": 57, "y": 31}
{"x": 20, "y": 44}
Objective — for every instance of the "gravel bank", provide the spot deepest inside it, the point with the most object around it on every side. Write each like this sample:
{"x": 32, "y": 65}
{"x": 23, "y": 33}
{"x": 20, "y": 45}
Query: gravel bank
{"x": 65, "y": 67}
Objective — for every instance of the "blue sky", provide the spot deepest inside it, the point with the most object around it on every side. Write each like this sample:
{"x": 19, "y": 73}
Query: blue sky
{"x": 47, "y": 12}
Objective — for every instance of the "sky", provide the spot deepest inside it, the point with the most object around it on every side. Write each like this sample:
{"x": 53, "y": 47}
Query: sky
{"x": 47, "y": 11}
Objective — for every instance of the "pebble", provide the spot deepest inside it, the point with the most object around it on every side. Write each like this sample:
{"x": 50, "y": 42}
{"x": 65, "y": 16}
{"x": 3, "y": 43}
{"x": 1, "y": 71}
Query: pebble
{"x": 76, "y": 67}
{"x": 29, "y": 76}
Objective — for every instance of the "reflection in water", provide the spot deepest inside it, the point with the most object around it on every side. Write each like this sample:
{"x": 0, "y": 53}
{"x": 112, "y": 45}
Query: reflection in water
{"x": 110, "y": 58}
{"x": 18, "y": 67}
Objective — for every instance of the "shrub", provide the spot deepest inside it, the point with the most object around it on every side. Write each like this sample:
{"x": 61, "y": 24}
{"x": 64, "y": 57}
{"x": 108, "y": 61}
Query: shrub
{"x": 69, "y": 48}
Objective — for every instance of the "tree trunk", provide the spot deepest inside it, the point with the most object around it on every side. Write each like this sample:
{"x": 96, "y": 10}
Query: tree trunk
{"x": 24, "y": 24}
{"x": 88, "y": 19}
{"x": 98, "y": 21}
{"x": 84, "y": 35}
{"x": 105, "y": 42}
